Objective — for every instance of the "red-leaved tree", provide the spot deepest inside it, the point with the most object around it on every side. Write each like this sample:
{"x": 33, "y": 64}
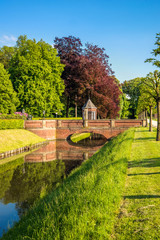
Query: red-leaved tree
{"x": 88, "y": 74}
{"x": 69, "y": 49}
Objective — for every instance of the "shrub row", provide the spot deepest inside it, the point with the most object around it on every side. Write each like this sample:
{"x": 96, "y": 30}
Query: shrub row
{"x": 11, "y": 124}
{"x": 17, "y": 115}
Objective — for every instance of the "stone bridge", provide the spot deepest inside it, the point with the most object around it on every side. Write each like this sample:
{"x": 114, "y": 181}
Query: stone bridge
{"x": 62, "y": 129}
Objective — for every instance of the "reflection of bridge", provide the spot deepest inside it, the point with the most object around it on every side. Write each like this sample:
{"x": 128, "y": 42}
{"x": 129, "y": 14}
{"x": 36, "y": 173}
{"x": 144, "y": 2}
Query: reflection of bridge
{"x": 61, "y": 129}
{"x": 60, "y": 150}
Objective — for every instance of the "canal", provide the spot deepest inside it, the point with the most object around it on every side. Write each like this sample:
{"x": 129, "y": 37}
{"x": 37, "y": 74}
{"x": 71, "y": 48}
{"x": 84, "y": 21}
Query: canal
{"x": 28, "y": 178}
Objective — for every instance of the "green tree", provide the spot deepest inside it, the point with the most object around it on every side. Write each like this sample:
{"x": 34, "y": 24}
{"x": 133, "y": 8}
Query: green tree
{"x": 131, "y": 89}
{"x": 36, "y": 76}
{"x": 156, "y": 52}
{"x": 8, "y": 99}
{"x": 146, "y": 103}
{"x": 6, "y": 54}
{"x": 124, "y": 105}
{"x": 152, "y": 88}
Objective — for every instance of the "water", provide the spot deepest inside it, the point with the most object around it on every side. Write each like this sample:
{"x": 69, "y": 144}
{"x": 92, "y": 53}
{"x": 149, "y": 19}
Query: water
{"x": 29, "y": 178}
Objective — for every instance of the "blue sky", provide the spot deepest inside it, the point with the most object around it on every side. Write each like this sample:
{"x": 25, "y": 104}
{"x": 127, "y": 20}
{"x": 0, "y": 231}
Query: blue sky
{"x": 125, "y": 28}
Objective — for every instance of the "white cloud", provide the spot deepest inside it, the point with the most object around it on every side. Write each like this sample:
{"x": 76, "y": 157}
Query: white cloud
{"x": 8, "y": 40}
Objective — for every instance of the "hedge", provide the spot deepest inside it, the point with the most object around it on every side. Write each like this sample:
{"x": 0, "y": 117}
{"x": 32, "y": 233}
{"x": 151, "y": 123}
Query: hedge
{"x": 11, "y": 124}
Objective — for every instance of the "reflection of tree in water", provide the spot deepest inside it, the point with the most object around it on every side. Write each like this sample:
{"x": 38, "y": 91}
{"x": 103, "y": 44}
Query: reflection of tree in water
{"x": 94, "y": 140}
{"x": 5, "y": 179}
{"x": 22, "y": 207}
{"x": 24, "y": 183}
{"x": 70, "y": 165}
{"x": 6, "y": 174}
{"x": 32, "y": 181}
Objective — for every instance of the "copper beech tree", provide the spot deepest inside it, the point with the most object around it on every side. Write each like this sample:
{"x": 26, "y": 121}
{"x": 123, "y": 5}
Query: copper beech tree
{"x": 69, "y": 49}
{"x": 87, "y": 73}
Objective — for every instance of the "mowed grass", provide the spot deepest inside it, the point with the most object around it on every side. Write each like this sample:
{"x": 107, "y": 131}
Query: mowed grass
{"x": 76, "y": 137}
{"x": 139, "y": 216}
{"x": 16, "y": 138}
{"x": 86, "y": 204}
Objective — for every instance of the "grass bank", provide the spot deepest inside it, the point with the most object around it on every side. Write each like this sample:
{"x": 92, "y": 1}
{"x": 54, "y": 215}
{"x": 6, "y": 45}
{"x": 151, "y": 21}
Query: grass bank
{"x": 85, "y": 205}
{"x": 76, "y": 137}
{"x": 16, "y": 138}
{"x": 139, "y": 216}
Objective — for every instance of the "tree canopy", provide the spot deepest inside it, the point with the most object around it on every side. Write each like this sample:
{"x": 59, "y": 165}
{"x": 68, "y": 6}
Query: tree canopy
{"x": 8, "y": 99}
{"x": 87, "y": 73}
{"x": 36, "y": 72}
{"x": 156, "y": 52}
{"x": 152, "y": 88}
{"x": 6, "y": 54}
{"x": 132, "y": 89}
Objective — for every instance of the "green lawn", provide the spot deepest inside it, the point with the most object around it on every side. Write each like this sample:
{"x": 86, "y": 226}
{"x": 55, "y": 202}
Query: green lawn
{"x": 139, "y": 216}
{"x": 16, "y": 138}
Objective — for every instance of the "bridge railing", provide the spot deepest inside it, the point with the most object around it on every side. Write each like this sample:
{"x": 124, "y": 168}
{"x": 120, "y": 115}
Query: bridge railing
{"x": 129, "y": 123}
{"x": 99, "y": 123}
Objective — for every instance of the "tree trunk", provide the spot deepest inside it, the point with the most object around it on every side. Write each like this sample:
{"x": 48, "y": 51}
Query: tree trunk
{"x": 158, "y": 120}
{"x": 76, "y": 106}
{"x": 67, "y": 107}
{"x": 150, "y": 122}
{"x": 76, "y": 109}
{"x": 146, "y": 118}
{"x": 144, "y": 114}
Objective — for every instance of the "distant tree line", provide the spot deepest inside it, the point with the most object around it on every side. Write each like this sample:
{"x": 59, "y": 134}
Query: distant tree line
{"x": 144, "y": 93}
{"x": 38, "y": 77}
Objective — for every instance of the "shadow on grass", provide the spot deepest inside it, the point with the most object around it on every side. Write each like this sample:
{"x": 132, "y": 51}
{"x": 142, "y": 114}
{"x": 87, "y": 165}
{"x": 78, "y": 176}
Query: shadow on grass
{"x": 146, "y": 130}
{"x": 145, "y": 139}
{"x": 151, "y": 162}
{"x": 141, "y": 196}
{"x": 136, "y": 174}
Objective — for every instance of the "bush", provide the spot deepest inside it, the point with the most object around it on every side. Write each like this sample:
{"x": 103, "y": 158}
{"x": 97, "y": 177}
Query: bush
{"x": 11, "y": 124}
{"x": 16, "y": 115}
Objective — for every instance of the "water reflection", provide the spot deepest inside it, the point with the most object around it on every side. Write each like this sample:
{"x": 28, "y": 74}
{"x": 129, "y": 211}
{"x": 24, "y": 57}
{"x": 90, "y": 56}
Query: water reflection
{"x": 28, "y": 178}
{"x": 94, "y": 141}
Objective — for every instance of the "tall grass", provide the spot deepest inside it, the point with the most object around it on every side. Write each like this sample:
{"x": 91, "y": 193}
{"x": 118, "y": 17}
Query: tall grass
{"x": 85, "y": 205}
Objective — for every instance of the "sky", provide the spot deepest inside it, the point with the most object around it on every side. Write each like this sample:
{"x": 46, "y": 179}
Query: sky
{"x": 125, "y": 28}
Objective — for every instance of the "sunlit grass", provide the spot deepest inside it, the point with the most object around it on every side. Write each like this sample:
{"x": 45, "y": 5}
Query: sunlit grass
{"x": 139, "y": 216}
{"x": 16, "y": 138}
{"x": 85, "y": 205}
{"x": 76, "y": 137}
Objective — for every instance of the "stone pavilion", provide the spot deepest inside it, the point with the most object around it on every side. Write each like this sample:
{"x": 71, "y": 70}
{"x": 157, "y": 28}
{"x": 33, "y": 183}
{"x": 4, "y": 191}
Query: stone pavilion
{"x": 89, "y": 111}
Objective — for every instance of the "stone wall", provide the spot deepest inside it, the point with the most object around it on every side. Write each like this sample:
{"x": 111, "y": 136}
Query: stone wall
{"x": 43, "y": 128}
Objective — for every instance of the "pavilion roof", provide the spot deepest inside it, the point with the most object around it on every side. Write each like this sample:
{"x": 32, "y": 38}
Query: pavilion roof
{"x": 89, "y": 104}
